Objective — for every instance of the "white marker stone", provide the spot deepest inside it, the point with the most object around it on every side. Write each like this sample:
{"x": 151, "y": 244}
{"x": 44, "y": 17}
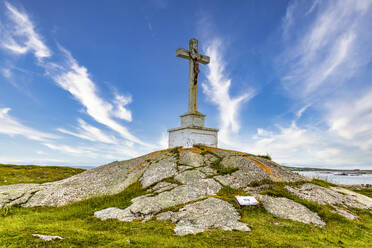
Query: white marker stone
{"x": 246, "y": 200}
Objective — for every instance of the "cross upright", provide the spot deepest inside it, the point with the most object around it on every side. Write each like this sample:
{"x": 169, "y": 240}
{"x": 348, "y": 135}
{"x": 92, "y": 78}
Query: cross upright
{"x": 194, "y": 58}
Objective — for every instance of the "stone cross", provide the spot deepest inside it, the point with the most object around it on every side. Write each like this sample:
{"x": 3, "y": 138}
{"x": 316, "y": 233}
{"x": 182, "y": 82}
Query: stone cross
{"x": 194, "y": 58}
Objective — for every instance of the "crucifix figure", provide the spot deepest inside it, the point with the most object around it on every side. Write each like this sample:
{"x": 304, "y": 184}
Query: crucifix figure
{"x": 194, "y": 59}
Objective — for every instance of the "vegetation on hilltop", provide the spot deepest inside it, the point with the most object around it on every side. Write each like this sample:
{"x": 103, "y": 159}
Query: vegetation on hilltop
{"x": 13, "y": 174}
{"x": 77, "y": 224}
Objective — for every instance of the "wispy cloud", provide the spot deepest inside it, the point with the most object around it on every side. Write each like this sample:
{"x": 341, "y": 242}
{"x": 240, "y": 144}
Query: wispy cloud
{"x": 21, "y": 37}
{"x": 217, "y": 90}
{"x": 352, "y": 119}
{"x": 68, "y": 149}
{"x": 72, "y": 77}
{"x": 75, "y": 79}
{"x": 11, "y": 126}
{"x": 329, "y": 48}
{"x": 89, "y": 132}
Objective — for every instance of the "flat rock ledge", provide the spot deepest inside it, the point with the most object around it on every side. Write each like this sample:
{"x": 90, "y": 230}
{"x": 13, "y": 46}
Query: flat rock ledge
{"x": 288, "y": 209}
{"x": 145, "y": 207}
{"x": 207, "y": 214}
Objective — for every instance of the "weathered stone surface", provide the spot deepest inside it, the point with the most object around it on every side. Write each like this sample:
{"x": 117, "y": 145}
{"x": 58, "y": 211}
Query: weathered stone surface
{"x": 364, "y": 200}
{"x": 344, "y": 212}
{"x": 278, "y": 172}
{"x": 207, "y": 214}
{"x": 209, "y": 159}
{"x": 47, "y": 237}
{"x": 324, "y": 196}
{"x": 147, "y": 206}
{"x": 191, "y": 158}
{"x": 104, "y": 180}
{"x": 248, "y": 172}
{"x": 115, "y": 213}
{"x": 189, "y": 176}
{"x": 161, "y": 187}
{"x": 288, "y": 209}
{"x": 156, "y": 172}
{"x": 207, "y": 171}
{"x": 17, "y": 194}
{"x": 182, "y": 168}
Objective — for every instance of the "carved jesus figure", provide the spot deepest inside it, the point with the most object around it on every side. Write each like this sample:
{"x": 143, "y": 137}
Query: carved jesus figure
{"x": 194, "y": 58}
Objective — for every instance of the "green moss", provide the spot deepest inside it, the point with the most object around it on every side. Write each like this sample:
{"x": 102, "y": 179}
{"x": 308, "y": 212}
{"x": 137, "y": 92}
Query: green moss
{"x": 13, "y": 174}
{"x": 322, "y": 183}
{"x": 222, "y": 170}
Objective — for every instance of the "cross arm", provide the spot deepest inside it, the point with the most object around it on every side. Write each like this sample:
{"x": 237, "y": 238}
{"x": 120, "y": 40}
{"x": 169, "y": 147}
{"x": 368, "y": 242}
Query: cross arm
{"x": 183, "y": 53}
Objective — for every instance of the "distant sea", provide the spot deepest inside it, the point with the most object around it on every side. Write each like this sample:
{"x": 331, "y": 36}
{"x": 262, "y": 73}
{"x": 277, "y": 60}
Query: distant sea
{"x": 338, "y": 178}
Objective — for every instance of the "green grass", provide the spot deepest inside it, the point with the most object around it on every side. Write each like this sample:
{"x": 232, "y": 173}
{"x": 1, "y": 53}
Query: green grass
{"x": 266, "y": 156}
{"x": 222, "y": 170}
{"x": 77, "y": 224}
{"x": 13, "y": 174}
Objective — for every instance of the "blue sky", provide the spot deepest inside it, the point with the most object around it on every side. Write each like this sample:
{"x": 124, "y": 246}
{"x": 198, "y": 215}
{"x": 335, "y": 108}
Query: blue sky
{"x": 85, "y": 84}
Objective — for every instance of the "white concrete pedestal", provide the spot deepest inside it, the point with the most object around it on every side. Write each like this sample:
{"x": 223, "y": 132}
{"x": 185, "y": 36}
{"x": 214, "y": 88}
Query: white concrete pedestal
{"x": 192, "y": 132}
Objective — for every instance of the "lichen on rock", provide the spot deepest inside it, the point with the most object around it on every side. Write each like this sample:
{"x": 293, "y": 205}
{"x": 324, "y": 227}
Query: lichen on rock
{"x": 203, "y": 215}
{"x": 288, "y": 209}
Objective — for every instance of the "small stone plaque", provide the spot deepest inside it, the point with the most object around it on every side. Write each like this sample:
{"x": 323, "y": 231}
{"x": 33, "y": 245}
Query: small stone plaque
{"x": 246, "y": 200}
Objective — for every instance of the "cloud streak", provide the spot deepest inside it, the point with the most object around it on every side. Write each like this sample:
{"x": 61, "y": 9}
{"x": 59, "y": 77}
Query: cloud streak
{"x": 11, "y": 126}
{"x": 23, "y": 37}
{"x": 217, "y": 90}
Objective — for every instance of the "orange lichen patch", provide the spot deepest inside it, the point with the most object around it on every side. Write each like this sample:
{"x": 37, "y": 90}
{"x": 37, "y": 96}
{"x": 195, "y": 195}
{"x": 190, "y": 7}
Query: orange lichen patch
{"x": 212, "y": 149}
{"x": 193, "y": 149}
{"x": 266, "y": 169}
{"x": 148, "y": 156}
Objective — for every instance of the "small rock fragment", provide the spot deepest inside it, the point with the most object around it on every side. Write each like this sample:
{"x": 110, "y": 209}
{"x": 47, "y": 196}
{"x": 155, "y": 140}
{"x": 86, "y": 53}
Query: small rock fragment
{"x": 47, "y": 237}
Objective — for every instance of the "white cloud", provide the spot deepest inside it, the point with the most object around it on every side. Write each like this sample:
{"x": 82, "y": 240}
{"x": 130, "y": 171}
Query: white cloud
{"x": 68, "y": 149}
{"x": 21, "y": 37}
{"x": 352, "y": 119}
{"x": 7, "y": 73}
{"x": 217, "y": 90}
{"x": 70, "y": 76}
{"x": 10, "y": 126}
{"x": 88, "y": 132}
{"x": 120, "y": 111}
{"x": 75, "y": 79}
{"x": 330, "y": 49}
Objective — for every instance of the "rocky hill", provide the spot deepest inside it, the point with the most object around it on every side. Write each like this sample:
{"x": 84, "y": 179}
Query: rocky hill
{"x": 184, "y": 186}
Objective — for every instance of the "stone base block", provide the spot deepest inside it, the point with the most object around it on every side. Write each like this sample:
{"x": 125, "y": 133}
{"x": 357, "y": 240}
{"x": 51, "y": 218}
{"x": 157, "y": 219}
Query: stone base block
{"x": 192, "y": 120}
{"x": 187, "y": 137}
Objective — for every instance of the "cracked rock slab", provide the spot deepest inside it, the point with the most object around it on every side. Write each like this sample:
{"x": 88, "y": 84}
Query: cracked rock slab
{"x": 146, "y": 206}
{"x": 191, "y": 158}
{"x": 207, "y": 171}
{"x": 161, "y": 187}
{"x": 211, "y": 213}
{"x": 344, "y": 212}
{"x": 158, "y": 171}
{"x": 189, "y": 176}
{"x": 324, "y": 196}
{"x": 288, "y": 209}
{"x": 248, "y": 172}
{"x": 364, "y": 200}
{"x": 17, "y": 194}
